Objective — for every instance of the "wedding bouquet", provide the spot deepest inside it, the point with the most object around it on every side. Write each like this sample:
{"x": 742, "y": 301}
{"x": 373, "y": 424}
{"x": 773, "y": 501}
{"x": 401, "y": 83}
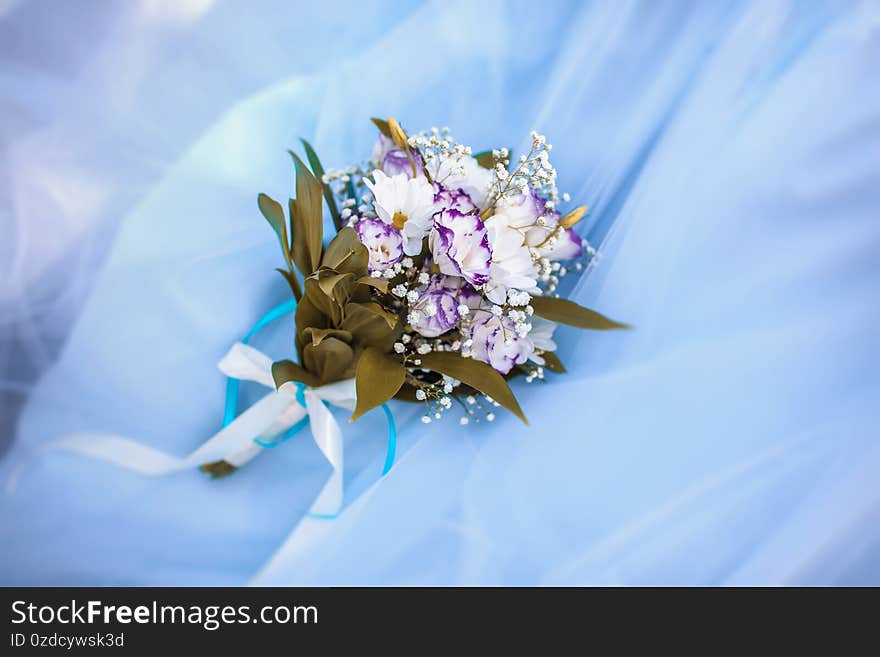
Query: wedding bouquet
{"x": 440, "y": 283}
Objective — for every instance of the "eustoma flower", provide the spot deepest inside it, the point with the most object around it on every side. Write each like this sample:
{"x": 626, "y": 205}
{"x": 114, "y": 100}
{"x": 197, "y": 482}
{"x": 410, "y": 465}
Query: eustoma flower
{"x": 405, "y": 203}
{"x": 465, "y": 174}
{"x": 452, "y": 199}
{"x": 512, "y": 266}
{"x": 437, "y": 306}
{"x": 496, "y": 341}
{"x": 460, "y": 246}
{"x": 383, "y": 241}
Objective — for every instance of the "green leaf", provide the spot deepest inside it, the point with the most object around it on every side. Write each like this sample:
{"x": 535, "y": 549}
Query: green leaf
{"x": 476, "y": 374}
{"x": 284, "y": 371}
{"x": 346, "y": 253}
{"x": 306, "y": 218}
{"x": 383, "y": 126}
{"x": 218, "y": 469}
{"x": 378, "y": 378}
{"x": 315, "y": 163}
{"x": 380, "y": 284}
{"x": 552, "y": 362}
{"x": 331, "y": 359}
{"x": 568, "y": 312}
{"x": 274, "y": 214}
{"x": 318, "y": 335}
{"x": 328, "y": 285}
{"x": 290, "y": 277}
{"x": 485, "y": 159}
{"x": 369, "y": 323}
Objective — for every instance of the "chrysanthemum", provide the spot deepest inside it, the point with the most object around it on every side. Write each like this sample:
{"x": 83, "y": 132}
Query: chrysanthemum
{"x": 405, "y": 203}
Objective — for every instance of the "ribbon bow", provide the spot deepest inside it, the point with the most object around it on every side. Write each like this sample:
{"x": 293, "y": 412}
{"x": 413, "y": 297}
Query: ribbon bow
{"x": 266, "y": 424}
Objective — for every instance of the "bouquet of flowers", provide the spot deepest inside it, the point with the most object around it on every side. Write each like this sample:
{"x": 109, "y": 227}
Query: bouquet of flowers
{"x": 440, "y": 282}
{"x": 439, "y": 285}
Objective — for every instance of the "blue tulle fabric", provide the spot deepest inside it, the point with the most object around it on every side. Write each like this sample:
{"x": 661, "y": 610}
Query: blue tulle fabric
{"x": 730, "y": 156}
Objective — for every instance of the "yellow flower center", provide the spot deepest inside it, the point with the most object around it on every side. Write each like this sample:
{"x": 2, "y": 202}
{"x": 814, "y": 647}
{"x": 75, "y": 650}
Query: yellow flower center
{"x": 398, "y": 220}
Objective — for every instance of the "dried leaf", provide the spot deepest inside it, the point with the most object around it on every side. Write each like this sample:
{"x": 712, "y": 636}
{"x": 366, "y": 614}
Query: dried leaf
{"x": 323, "y": 302}
{"x": 378, "y": 378}
{"x": 552, "y": 362}
{"x": 306, "y": 217}
{"x": 485, "y": 159}
{"x": 370, "y": 324}
{"x": 328, "y": 285}
{"x": 573, "y": 217}
{"x": 398, "y": 136}
{"x": 380, "y": 284}
{"x": 290, "y": 277}
{"x": 331, "y": 360}
{"x": 284, "y": 371}
{"x": 382, "y": 125}
{"x": 316, "y": 335}
{"x": 568, "y": 312}
{"x": 346, "y": 254}
{"x": 318, "y": 169}
{"x": 274, "y": 214}
{"x": 218, "y": 469}
{"x": 477, "y": 375}
{"x": 308, "y": 315}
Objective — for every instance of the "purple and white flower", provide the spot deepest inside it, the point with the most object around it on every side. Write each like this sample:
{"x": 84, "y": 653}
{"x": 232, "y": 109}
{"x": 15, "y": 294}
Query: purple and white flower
{"x": 437, "y": 305}
{"x": 496, "y": 342}
{"x": 452, "y": 199}
{"x": 383, "y": 241}
{"x": 565, "y": 245}
{"x": 393, "y": 160}
{"x": 463, "y": 173}
{"x": 459, "y": 244}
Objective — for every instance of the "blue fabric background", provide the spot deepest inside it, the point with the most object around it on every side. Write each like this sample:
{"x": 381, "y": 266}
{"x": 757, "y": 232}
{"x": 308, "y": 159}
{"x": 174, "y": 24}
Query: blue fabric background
{"x": 730, "y": 155}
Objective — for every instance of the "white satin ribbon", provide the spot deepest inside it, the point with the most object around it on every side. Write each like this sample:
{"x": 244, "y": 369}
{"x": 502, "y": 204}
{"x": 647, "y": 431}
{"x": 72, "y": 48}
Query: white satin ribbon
{"x": 266, "y": 419}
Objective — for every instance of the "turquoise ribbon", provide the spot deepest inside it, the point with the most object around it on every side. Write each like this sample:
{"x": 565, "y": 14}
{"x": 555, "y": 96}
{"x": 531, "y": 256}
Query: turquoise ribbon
{"x": 232, "y": 385}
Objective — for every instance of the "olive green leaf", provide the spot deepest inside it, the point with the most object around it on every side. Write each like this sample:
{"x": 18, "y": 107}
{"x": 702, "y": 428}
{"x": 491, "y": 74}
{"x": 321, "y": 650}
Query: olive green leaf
{"x": 486, "y": 160}
{"x": 331, "y": 359}
{"x": 274, "y": 214}
{"x": 284, "y": 371}
{"x": 317, "y": 335}
{"x": 378, "y": 378}
{"x": 369, "y": 323}
{"x": 552, "y": 362}
{"x": 290, "y": 277}
{"x": 323, "y": 302}
{"x": 568, "y": 312}
{"x": 318, "y": 169}
{"x": 306, "y": 218}
{"x": 476, "y": 374}
{"x": 218, "y": 469}
{"x": 382, "y": 125}
{"x": 380, "y": 284}
{"x": 573, "y": 217}
{"x": 308, "y": 315}
{"x": 346, "y": 253}
{"x": 328, "y": 285}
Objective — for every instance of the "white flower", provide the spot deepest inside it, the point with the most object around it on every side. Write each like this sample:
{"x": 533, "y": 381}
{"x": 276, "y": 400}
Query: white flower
{"x": 406, "y": 203}
{"x": 541, "y": 337}
{"x": 512, "y": 266}
{"x": 465, "y": 174}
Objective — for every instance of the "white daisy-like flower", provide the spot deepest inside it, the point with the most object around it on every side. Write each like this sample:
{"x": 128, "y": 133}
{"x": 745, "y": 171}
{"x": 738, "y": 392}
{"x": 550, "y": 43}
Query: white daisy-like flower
{"x": 405, "y": 203}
